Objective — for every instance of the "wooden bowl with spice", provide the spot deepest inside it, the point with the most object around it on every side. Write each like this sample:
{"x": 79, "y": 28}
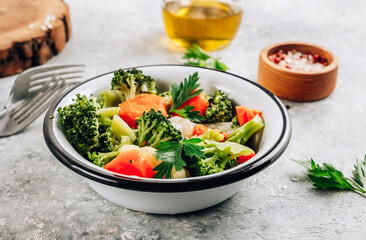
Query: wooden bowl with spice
{"x": 298, "y": 71}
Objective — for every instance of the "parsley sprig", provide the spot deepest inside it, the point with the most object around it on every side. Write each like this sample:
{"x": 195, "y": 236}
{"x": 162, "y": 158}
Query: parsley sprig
{"x": 195, "y": 56}
{"x": 181, "y": 93}
{"x": 172, "y": 154}
{"x": 327, "y": 176}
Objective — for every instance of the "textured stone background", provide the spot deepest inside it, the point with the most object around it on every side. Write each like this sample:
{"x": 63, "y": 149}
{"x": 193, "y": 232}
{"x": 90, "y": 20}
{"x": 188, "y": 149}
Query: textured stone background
{"x": 41, "y": 199}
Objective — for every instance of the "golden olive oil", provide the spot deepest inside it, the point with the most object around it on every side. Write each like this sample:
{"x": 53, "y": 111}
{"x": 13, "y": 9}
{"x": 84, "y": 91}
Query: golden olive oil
{"x": 211, "y": 24}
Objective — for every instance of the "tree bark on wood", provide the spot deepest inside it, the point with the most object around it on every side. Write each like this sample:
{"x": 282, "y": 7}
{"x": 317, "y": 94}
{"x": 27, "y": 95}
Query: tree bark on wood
{"x": 31, "y": 32}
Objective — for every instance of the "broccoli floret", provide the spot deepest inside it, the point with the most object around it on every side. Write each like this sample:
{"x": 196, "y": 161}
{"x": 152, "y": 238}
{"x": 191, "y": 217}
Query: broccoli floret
{"x": 102, "y": 158}
{"x": 131, "y": 82}
{"x": 80, "y": 122}
{"x": 106, "y": 141}
{"x": 235, "y": 122}
{"x": 220, "y": 156}
{"x": 206, "y": 166}
{"x": 243, "y": 133}
{"x": 153, "y": 128}
{"x": 220, "y": 108}
{"x": 87, "y": 126}
{"x": 232, "y": 163}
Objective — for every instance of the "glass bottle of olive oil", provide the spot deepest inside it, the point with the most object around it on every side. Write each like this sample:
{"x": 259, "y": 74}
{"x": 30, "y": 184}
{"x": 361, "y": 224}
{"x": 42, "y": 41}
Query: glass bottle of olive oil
{"x": 211, "y": 24}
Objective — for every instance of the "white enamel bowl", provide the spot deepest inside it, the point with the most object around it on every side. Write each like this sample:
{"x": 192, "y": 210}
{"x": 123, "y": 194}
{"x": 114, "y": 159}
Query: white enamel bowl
{"x": 171, "y": 196}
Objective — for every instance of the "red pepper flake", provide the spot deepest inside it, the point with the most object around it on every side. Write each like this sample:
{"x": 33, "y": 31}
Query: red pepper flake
{"x": 324, "y": 61}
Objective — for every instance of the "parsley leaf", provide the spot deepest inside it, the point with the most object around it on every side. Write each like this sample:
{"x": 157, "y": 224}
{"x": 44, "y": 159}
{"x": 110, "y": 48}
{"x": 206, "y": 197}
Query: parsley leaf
{"x": 196, "y": 53}
{"x": 187, "y": 112}
{"x": 172, "y": 153}
{"x": 181, "y": 93}
{"x": 191, "y": 149}
{"x": 359, "y": 174}
{"x": 197, "y": 57}
{"x": 327, "y": 176}
{"x": 185, "y": 91}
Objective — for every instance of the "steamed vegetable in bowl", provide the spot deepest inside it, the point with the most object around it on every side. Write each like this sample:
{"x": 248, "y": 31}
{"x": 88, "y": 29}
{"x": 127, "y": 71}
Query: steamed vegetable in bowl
{"x": 134, "y": 130}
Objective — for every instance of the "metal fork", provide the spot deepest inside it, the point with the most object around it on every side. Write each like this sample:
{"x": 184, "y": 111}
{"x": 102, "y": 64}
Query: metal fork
{"x": 30, "y": 81}
{"x": 30, "y": 97}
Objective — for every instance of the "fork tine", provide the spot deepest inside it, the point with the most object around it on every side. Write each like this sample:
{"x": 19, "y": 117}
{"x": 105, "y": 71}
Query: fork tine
{"x": 27, "y": 74}
{"x": 19, "y": 106}
{"x": 24, "y": 78}
{"x": 36, "y": 107}
{"x": 42, "y": 69}
{"x": 39, "y": 83}
{"x": 21, "y": 109}
{"x": 35, "y": 104}
{"x": 30, "y": 116}
{"x": 37, "y": 77}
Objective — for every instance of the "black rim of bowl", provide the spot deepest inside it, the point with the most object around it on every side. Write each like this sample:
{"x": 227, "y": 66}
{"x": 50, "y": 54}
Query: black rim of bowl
{"x": 149, "y": 185}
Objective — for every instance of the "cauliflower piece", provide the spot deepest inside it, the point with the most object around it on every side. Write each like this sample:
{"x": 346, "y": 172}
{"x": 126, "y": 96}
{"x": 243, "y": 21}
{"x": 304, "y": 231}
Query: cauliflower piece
{"x": 183, "y": 125}
{"x": 180, "y": 174}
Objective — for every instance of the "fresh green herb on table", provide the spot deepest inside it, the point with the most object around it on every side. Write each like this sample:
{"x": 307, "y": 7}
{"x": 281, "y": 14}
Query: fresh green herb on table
{"x": 195, "y": 56}
{"x": 327, "y": 176}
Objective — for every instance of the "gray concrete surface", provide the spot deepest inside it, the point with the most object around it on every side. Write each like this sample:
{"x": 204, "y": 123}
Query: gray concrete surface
{"x": 41, "y": 199}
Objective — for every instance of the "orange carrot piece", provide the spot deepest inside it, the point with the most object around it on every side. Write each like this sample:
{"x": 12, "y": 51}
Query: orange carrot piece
{"x": 135, "y": 107}
{"x": 199, "y": 129}
{"x": 131, "y": 162}
{"x": 245, "y": 114}
{"x": 200, "y": 103}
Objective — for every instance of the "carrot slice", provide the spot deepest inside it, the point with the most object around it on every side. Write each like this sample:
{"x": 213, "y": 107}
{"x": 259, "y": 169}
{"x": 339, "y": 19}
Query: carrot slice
{"x": 245, "y": 114}
{"x": 199, "y": 129}
{"x": 135, "y": 107}
{"x": 131, "y": 162}
{"x": 244, "y": 158}
{"x": 200, "y": 103}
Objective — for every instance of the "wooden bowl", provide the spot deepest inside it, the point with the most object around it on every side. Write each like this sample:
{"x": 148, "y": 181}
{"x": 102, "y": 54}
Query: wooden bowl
{"x": 297, "y": 85}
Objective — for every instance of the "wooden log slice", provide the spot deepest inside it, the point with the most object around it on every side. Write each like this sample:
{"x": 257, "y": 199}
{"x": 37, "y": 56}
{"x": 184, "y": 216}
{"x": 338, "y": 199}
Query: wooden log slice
{"x": 31, "y": 32}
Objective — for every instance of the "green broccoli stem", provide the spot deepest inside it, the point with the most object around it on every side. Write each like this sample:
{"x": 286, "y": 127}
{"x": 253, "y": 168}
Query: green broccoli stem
{"x": 243, "y": 133}
{"x": 110, "y": 98}
{"x": 155, "y": 139}
{"x": 209, "y": 150}
{"x": 143, "y": 131}
{"x": 106, "y": 115}
{"x": 102, "y": 159}
{"x": 225, "y": 161}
